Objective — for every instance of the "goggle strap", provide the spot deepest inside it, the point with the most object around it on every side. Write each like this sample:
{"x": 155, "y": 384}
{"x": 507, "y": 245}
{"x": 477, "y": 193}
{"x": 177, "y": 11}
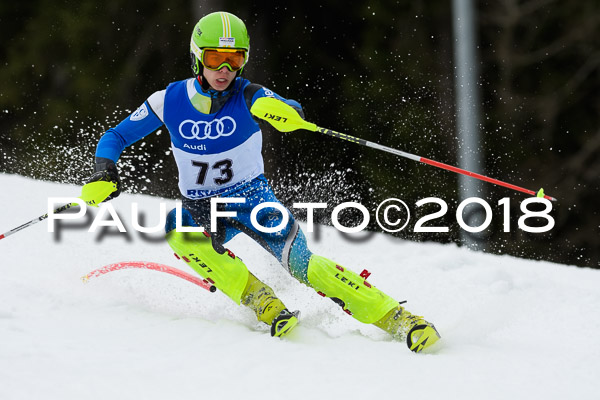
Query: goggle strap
{"x": 196, "y": 50}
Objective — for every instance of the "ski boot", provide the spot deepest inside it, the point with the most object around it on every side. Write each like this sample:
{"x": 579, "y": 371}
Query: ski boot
{"x": 268, "y": 308}
{"x": 402, "y": 325}
{"x": 284, "y": 322}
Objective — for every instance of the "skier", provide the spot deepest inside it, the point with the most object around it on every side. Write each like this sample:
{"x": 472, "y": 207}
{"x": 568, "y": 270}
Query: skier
{"x": 217, "y": 146}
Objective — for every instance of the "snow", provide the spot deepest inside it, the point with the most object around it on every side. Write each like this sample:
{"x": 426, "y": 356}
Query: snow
{"x": 511, "y": 328}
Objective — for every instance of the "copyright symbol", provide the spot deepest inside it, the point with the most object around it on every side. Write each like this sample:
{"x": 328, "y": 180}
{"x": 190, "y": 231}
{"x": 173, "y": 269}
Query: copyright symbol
{"x": 392, "y": 212}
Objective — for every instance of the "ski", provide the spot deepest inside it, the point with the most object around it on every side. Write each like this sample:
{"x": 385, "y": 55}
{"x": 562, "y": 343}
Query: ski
{"x": 203, "y": 283}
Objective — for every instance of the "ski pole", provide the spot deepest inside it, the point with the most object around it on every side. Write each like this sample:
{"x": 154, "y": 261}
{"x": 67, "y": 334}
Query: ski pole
{"x": 36, "y": 220}
{"x": 285, "y": 119}
{"x": 92, "y": 194}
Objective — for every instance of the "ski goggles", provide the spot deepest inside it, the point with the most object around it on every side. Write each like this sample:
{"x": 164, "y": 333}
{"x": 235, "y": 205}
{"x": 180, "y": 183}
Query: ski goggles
{"x": 215, "y": 59}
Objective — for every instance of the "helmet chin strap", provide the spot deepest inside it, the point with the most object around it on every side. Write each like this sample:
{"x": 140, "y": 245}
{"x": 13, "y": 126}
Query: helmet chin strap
{"x": 203, "y": 81}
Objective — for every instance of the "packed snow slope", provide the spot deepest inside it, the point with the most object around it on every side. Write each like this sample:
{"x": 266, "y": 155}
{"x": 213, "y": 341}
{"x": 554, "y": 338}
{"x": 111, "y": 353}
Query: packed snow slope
{"x": 511, "y": 328}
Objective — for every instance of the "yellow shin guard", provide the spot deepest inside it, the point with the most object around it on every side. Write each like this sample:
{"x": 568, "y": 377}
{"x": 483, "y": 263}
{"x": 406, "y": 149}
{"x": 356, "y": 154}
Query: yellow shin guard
{"x": 357, "y": 297}
{"x": 226, "y": 271}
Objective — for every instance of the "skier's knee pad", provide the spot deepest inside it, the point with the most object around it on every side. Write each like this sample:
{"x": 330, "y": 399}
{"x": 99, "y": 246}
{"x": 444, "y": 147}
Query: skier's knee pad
{"x": 352, "y": 292}
{"x": 226, "y": 271}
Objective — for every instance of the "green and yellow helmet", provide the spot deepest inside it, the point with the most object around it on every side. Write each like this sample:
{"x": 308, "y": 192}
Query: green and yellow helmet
{"x": 223, "y": 32}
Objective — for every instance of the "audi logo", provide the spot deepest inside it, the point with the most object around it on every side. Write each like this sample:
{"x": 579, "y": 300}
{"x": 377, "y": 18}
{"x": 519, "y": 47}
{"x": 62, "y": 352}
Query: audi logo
{"x": 201, "y": 130}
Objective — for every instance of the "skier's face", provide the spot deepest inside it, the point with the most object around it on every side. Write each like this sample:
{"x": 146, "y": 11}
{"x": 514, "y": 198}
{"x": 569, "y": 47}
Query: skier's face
{"x": 219, "y": 80}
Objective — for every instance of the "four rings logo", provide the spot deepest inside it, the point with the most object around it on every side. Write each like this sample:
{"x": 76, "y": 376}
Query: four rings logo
{"x": 201, "y": 130}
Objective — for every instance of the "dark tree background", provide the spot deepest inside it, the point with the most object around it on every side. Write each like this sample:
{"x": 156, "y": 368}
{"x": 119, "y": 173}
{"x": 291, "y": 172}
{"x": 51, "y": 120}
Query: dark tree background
{"x": 380, "y": 70}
